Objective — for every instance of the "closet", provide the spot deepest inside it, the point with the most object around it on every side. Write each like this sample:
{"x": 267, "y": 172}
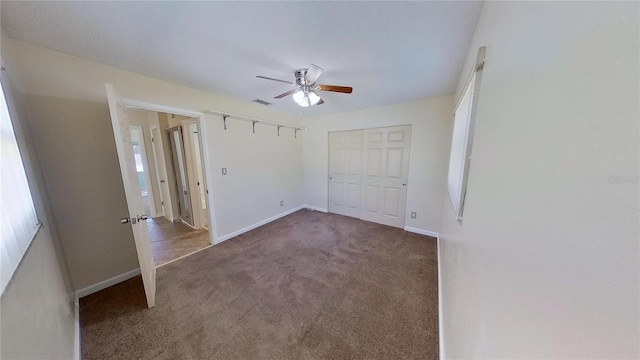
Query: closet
{"x": 368, "y": 171}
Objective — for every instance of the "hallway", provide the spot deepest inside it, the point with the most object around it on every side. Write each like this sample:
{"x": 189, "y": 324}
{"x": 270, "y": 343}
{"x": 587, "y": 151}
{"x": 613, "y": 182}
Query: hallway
{"x": 170, "y": 241}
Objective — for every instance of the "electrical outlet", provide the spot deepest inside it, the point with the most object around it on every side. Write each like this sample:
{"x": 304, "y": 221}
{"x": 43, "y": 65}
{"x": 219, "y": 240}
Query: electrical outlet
{"x": 413, "y": 215}
{"x": 281, "y": 202}
{"x": 224, "y": 171}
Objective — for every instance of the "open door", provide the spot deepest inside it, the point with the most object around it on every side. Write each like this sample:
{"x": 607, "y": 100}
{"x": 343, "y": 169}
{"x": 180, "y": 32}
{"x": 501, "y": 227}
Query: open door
{"x": 124, "y": 146}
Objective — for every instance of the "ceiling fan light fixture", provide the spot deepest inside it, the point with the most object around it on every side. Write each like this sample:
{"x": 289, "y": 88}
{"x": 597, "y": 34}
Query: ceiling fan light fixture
{"x": 305, "y": 94}
{"x": 301, "y": 98}
{"x": 313, "y": 97}
{"x": 298, "y": 97}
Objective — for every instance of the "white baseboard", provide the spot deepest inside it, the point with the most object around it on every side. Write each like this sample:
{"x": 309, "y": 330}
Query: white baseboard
{"x": 441, "y": 348}
{"x": 421, "y": 231}
{"x": 315, "y": 208}
{"x": 106, "y": 283}
{"x": 76, "y": 332}
{"x": 258, "y": 224}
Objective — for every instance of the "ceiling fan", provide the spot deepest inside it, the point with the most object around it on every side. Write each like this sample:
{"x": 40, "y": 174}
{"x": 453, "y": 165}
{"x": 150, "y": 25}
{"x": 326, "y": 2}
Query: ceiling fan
{"x": 305, "y": 92}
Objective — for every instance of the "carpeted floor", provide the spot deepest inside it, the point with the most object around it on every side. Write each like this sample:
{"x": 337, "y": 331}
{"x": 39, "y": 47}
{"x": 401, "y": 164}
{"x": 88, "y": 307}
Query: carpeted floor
{"x": 307, "y": 286}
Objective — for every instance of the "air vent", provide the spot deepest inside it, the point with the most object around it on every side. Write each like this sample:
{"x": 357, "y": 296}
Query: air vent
{"x": 261, "y": 102}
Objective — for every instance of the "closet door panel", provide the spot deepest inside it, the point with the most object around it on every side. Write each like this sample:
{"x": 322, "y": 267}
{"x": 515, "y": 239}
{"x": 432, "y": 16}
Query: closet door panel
{"x": 386, "y": 157}
{"x": 345, "y": 171}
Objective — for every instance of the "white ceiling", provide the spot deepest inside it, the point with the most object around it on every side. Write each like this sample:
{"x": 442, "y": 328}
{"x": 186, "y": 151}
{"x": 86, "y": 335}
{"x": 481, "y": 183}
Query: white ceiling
{"x": 389, "y": 52}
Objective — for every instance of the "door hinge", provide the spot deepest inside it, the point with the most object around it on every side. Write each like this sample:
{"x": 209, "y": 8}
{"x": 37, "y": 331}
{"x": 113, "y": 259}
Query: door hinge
{"x": 162, "y": 202}
{"x": 153, "y": 140}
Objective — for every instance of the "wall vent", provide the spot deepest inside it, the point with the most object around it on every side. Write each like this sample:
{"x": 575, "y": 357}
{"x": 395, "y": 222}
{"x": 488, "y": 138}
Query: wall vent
{"x": 261, "y": 102}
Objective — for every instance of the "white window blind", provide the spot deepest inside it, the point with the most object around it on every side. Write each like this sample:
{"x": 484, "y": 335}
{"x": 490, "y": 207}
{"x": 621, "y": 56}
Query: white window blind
{"x": 462, "y": 139}
{"x": 18, "y": 219}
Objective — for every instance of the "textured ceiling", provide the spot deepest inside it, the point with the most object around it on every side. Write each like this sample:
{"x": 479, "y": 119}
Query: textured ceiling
{"x": 388, "y": 52}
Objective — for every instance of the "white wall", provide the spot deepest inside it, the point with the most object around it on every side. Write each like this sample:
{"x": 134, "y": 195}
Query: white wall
{"x": 430, "y": 137}
{"x": 545, "y": 262}
{"x": 60, "y": 78}
{"x": 38, "y": 318}
{"x": 262, "y": 163}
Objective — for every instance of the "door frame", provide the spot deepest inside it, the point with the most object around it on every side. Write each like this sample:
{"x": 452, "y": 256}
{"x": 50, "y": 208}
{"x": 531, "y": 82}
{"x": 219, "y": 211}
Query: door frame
{"x": 206, "y": 159}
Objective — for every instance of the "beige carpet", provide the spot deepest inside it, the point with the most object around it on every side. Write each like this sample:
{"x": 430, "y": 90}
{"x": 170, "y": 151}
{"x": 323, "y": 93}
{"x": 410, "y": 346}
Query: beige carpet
{"x": 307, "y": 286}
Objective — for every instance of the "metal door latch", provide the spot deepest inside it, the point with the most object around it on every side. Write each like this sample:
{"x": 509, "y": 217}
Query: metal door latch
{"x": 133, "y": 220}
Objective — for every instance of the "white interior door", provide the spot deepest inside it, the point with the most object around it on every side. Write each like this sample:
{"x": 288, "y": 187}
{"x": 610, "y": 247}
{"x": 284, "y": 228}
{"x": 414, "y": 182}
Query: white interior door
{"x": 161, "y": 168}
{"x": 345, "y": 166}
{"x": 157, "y": 149}
{"x": 189, "y": 129}
{"x": 195, "y": 167}
{"x": 122, "y": 135}
{"x": 385, "y": 173}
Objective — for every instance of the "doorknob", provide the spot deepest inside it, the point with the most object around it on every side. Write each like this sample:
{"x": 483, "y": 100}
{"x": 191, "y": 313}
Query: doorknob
{"x": 127, "y": 220}
{"x": 133, "y": 220}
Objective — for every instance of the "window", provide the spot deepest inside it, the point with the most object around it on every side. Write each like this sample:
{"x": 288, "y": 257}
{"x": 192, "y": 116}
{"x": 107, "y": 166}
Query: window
{"x": 18, "y": 222}
{"x": 462, "y": 138}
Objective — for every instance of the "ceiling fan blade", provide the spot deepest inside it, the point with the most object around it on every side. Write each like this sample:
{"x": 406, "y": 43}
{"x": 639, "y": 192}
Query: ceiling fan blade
{"x": 272, "y": 79}
{"x": 285, "y": 94}
{"x": 313, "y": 73}
{"x": 334, "y": 88}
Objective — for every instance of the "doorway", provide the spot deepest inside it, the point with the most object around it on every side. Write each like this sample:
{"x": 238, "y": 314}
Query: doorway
{"x": 368, "y": 171}
{"x": 170, "y": 172}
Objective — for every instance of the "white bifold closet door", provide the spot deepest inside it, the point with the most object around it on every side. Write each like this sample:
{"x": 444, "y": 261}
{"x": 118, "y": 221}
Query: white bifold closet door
{"x": 385, "y": 173}
{"x": 368, "y": 171}
{"x": 345, "y": 166}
